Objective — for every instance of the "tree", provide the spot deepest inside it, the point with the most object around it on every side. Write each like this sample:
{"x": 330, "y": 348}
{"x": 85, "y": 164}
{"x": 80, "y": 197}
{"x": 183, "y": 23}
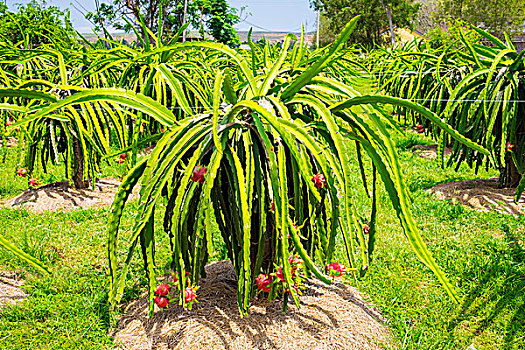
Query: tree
{"x": 125, "y": 14}
{"x": 388, "y": 12}
{"x": 35, "y": 24}
{"x": 497, "y": 17}
{"x": 220, "y": 20}
{"x": 374, "y": 16}
{"x": 326, "y": 34}
{"x": 213, "y": 16}
{"x": 426, "y": 17}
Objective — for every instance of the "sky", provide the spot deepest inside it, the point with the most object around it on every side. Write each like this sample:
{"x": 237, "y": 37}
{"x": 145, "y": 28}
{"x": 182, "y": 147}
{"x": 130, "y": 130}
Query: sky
{"x": 263, "y": 15}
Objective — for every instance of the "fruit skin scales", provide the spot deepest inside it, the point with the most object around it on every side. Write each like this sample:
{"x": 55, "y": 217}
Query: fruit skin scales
{"x": 319, "y": 180}
{"x": 336, "y": 269}
{"x": 33, "y": 182}
{"x": 198, "y": 174}
{"x": 279, "y": 274}
{"x": 163, "y": 289}
{"x": 189, "y": 295}
{"x": 264, "y": 282}
{"x": 161, "y": 302}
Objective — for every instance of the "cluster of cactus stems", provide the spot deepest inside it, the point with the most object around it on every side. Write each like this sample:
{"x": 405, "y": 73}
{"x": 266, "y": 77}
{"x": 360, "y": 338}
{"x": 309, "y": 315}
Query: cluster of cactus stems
{"x": 476, "y": 88}
{"x": 252, "y": 145}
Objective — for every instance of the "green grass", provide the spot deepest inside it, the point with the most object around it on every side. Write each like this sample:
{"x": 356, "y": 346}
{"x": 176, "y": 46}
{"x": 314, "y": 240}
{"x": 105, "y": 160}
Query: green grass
{"x": 482, "y": 253}
{"x": 12, "y": 185}
{"x": 67, "y": 309}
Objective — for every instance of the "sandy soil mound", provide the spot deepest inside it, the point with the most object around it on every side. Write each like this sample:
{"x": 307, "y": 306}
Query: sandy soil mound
{"x": 330, "y": 317}
{"x": 429, "y": 151}
{"x": 483, "y": 195}
{"x": 59, "y": 196}
{"x": 10, "y": 291}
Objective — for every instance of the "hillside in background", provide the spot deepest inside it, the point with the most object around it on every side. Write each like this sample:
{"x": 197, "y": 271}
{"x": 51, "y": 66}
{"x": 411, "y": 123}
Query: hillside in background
{"x": 272, "y": 37}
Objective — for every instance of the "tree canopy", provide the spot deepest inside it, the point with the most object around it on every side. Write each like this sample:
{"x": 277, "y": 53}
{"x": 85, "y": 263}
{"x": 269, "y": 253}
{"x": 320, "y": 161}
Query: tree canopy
{"x": 496, "y": 17}
{"x": 34, "y": 24}
{"x": 215, "y": 17}
{"x": 373, "y": 22}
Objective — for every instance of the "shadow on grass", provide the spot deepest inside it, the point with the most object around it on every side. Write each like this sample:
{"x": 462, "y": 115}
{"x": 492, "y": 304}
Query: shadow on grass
{"x": 498, "y": 297}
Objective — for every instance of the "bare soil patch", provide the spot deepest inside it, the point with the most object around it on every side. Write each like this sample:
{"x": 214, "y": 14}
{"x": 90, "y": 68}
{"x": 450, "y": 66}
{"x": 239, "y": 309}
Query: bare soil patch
{"x": 9, "y": 142}
{"x": 483, "y": 195}
{"x": 10, "y": 288}
{"x": 60, "y": 196}
{"x": 429, "y": 151}
{"x": 147, "y": 150}
{"x": 330, "y": 317}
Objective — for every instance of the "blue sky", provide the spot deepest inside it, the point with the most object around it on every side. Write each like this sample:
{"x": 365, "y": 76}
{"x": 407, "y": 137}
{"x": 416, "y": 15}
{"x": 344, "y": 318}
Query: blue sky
{"x": 272, "y": 15}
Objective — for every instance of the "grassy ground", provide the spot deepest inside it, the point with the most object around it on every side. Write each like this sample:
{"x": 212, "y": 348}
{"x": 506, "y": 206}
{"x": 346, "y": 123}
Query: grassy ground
{"x": 482, "y": 253}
